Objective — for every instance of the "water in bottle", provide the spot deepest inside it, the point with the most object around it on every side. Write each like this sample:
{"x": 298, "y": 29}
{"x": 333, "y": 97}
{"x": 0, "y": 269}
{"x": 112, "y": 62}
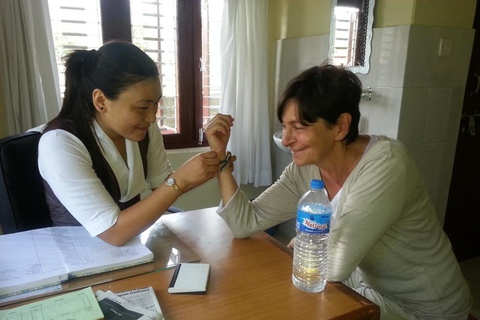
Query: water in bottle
{"x": 314, "y": 214}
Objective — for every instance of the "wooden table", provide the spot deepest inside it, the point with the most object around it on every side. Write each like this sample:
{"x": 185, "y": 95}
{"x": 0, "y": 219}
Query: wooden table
{"x": 249, "y": 279}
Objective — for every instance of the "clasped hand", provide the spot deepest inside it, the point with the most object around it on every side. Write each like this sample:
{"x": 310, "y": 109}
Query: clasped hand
{"x": 217, "y": 131}
{"x": 206, "y": 165}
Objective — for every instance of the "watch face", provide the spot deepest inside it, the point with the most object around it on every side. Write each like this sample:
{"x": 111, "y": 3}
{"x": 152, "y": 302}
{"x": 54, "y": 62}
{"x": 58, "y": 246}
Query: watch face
{"x": 170, "y": 181}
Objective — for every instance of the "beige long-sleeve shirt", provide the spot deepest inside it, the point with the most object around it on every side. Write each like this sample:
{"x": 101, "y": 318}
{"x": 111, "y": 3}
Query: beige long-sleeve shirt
{"x": 386, "y": 229}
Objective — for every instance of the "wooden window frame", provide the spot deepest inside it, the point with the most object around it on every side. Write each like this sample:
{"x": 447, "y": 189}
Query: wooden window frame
{"x": 116, "y": 24}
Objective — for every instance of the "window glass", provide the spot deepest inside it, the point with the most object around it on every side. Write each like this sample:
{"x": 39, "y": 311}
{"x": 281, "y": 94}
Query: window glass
{"x": 154, "y": 31}
{"x": 210, "y": 61}
{"x": 346, "y": 25}
{"x": 75, "y": 25}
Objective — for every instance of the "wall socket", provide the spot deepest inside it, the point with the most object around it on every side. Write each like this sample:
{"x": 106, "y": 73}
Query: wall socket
{"x": 445, "y": 48}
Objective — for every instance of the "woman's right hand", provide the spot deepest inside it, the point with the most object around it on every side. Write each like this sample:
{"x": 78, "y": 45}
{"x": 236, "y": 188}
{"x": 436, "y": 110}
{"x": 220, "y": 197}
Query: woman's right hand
{"x": 196, "y": 171}
{"x": 217, "y": 131}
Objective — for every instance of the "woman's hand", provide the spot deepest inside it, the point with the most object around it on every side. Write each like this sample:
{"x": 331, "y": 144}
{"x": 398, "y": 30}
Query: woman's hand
{"x": 217, "y": 131}
{"x": 196, "y": 171}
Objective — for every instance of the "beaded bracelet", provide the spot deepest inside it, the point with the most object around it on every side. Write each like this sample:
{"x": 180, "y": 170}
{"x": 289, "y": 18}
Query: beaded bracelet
{"x": 225, "y": 162}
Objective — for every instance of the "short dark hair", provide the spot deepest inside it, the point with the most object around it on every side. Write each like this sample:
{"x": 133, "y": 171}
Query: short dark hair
{"x": 325, "y": 92}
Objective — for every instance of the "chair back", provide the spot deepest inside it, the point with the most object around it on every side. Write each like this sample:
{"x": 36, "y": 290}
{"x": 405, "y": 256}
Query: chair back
{"x": 22, "y": 196}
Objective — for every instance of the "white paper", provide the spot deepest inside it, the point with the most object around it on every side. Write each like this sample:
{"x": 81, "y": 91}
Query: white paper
{"x": 38, "y": 258}
{"x": 29, "y": 257}
{"x": 119, "y": 312}
{"x": 76, "y": 305}
{"x": 144, "y": 297}
{"x": 32, "y": 293}
{"x": 83, "y": 253}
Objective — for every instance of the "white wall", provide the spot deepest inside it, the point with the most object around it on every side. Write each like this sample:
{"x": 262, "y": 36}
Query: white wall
{"x": 432, "y": 102}
{"x": 418, "y": 97}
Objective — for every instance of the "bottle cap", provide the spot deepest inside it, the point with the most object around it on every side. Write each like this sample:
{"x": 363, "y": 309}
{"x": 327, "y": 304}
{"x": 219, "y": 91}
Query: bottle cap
{"x": 317, "y": 184}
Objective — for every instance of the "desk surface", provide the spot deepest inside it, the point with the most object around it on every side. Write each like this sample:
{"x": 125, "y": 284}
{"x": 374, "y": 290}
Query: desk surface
{"x": 249, "y": 278}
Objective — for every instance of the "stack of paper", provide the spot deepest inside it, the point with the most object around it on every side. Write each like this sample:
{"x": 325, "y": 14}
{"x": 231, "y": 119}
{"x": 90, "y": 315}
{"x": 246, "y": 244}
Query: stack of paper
{"x": 78, "y": 305}
{"x": 141, "y": 304}
{"x": 44, "y": 257}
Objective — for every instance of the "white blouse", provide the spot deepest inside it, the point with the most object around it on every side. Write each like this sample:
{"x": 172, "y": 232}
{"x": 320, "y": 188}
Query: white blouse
{"x": 65, "y": 163}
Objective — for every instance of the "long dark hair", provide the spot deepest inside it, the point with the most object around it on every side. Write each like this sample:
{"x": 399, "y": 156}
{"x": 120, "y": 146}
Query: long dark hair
{"x": 113, "y": 68}
{"x": 325, "y": 92}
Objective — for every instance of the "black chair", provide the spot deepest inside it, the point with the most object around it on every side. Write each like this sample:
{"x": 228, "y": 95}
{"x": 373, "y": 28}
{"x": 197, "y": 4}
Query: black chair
{"x": 22, "y": 197}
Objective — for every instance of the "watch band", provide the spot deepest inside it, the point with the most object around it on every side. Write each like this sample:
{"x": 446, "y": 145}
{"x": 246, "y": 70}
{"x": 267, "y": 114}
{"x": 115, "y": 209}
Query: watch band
{"x": 171, "y": 182}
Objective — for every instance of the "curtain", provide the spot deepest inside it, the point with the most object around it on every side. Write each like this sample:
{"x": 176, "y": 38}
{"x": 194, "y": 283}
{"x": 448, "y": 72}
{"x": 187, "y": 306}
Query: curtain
{"x": 28, "y": 71}
{"x": 244, "y": 90}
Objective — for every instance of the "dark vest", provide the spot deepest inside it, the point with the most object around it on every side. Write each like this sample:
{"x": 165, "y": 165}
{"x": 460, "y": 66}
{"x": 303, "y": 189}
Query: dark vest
{"x": 60, "y": 215}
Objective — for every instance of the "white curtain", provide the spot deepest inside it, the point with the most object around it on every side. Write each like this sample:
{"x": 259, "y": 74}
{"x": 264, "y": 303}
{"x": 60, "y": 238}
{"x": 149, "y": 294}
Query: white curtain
{"x": 28, "y": 71}
{"x": 245, "y": 88}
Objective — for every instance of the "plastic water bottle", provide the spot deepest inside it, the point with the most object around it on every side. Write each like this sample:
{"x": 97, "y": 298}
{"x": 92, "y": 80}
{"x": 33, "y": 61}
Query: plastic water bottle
{"x": 314, "y": 214}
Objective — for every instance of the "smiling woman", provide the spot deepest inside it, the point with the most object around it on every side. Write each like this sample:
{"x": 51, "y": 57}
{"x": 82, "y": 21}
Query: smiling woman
{"x": 109, "y": 154}
{"x": 129, "y": 115}
{"x": 386, "y": 242}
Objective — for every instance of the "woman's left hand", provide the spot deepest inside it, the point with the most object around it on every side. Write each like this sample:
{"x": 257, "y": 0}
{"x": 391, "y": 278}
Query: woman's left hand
{"x": 217, "y": 131}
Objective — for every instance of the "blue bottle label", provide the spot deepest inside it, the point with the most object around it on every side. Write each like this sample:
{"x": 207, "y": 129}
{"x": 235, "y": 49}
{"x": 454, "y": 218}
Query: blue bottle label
{"x": 313, "y": 223}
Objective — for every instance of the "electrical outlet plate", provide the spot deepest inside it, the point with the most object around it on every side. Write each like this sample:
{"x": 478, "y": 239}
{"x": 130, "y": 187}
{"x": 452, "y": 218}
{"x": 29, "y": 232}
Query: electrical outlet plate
{"x": 445, "y": 48}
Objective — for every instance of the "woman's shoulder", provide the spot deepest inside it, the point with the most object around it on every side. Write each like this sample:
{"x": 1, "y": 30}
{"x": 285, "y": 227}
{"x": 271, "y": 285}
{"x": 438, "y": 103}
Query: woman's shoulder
{"x": 387, "y": 149}
{"x": 384, "y": 144}
{"x": 58, "y": 134}
{"x": 60, "y": 149}
{"x": 59, "y": 139}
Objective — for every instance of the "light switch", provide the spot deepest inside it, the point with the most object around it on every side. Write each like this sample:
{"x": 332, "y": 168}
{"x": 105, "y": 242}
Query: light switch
{"x": 445, "y": 48}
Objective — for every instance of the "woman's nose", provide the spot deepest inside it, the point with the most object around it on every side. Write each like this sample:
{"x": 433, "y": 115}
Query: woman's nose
{"x": 151, "y": 116}
{"x": 286, "y": 138}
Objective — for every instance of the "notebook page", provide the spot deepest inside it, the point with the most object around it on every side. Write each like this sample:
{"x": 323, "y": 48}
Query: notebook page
{"x": 29, "y": 260}
{"x": 84, "y": 254}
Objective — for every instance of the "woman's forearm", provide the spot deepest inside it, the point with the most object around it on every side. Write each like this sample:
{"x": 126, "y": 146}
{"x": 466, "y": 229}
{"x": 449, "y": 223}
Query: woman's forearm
{"x": 227, "y": 184}
{"x": 139, "y": 217}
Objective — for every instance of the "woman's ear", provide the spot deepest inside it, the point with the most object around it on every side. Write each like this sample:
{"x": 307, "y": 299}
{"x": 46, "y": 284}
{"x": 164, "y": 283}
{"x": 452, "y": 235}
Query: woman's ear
{"x": 343, "y": 125}
{"x": 99, "y": 99}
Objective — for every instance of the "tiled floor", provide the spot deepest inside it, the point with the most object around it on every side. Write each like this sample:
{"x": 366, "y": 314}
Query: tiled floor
{"x": 471, "y": 272}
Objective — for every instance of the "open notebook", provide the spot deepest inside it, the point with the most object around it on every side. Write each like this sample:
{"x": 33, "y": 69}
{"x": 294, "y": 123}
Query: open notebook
{"x": 43, "y": 257}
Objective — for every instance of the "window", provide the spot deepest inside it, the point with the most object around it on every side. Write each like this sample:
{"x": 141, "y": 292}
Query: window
{"x": 346, "y": 25}
{"x": 74, "y": 27}
{"x": 181, "y": 36}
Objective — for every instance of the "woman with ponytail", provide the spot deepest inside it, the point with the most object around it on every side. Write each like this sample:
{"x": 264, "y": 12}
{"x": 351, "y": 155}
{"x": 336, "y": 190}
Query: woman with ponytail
{"x": 102, "y": 158}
